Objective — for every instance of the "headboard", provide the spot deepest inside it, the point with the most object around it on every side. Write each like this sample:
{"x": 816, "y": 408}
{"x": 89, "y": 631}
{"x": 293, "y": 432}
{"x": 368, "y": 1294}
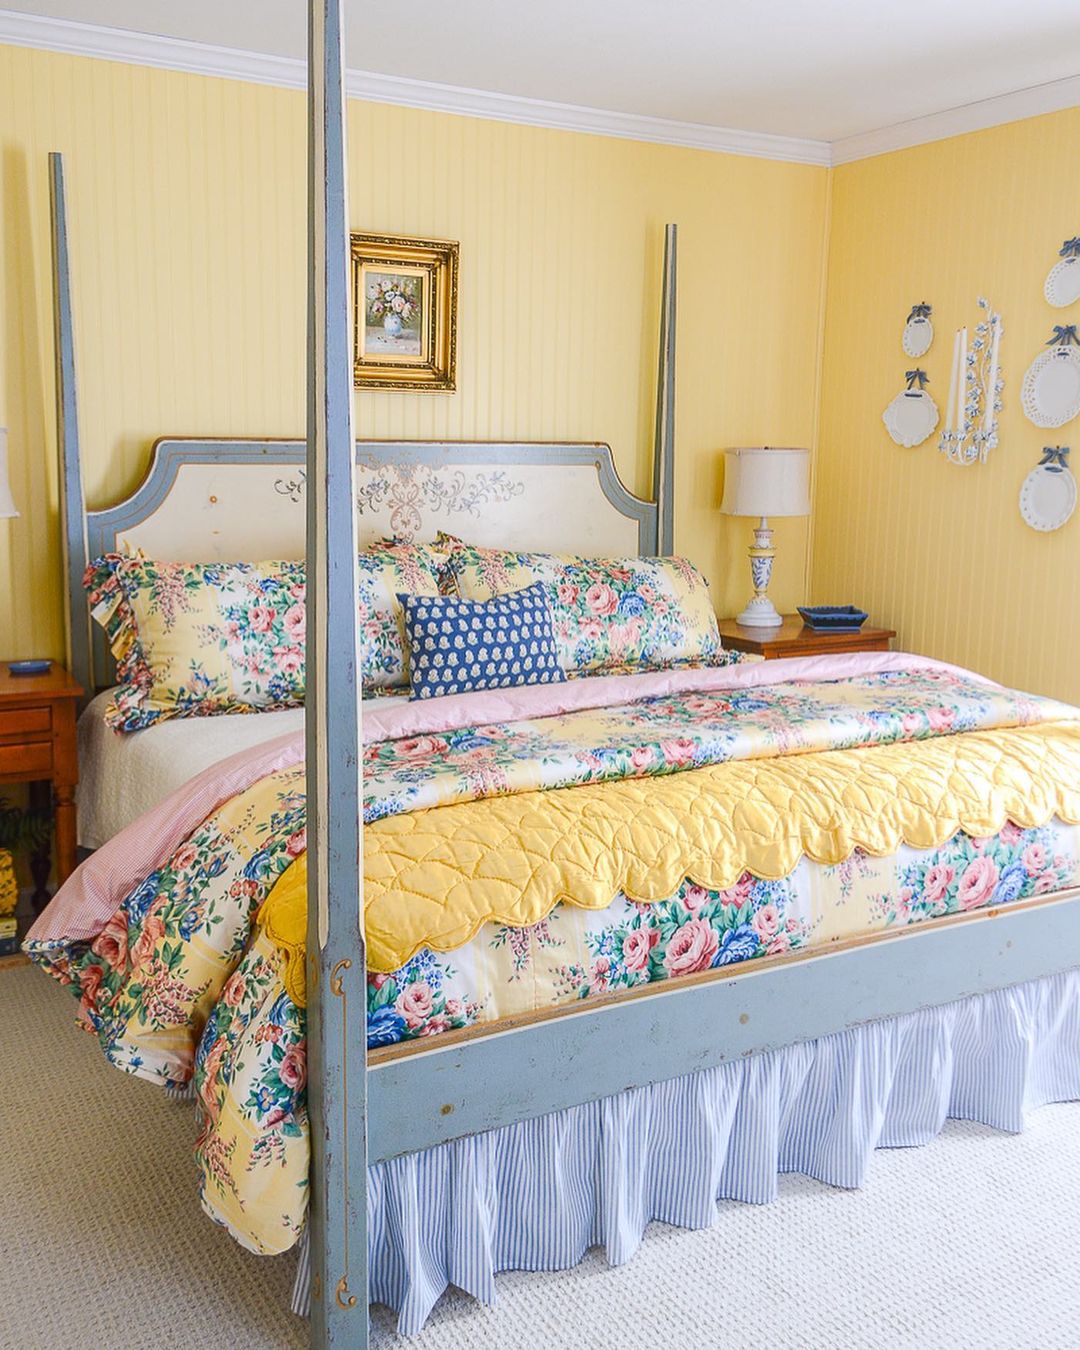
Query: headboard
{"x": 207, "y": 499}
{"x": 235, "y": 500}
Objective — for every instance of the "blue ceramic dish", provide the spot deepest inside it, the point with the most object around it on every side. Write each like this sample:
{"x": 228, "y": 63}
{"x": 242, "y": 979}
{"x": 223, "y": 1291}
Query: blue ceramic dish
{"x": 29, "y": 667}
{"x": 833, "y": 618}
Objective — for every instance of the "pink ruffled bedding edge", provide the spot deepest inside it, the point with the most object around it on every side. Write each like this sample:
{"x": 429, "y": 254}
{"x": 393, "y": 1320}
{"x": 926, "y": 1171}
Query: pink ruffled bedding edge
{"x": 84, "y": 904}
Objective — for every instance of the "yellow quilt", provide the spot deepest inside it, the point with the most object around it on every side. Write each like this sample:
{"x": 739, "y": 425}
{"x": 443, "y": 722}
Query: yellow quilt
{"x": 433, "y": 877}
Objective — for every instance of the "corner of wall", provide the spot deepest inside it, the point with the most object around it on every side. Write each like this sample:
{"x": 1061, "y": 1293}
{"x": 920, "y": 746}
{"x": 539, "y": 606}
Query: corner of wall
{"x": 810, "y": 582}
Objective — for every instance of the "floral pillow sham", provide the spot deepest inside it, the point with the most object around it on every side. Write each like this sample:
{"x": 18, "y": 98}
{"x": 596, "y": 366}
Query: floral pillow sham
{"x": 386, "y": 571}
{"x": 197, "y": 639}
{"x": 609, "y": 613}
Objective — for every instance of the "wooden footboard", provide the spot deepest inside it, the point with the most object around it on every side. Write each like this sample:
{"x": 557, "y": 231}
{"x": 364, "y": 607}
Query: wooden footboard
{"x": 424, "y": 1093}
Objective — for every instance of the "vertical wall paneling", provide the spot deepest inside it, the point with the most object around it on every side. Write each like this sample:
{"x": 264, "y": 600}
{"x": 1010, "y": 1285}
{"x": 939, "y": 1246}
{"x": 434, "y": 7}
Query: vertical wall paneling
{"x": 935, "y": 550}
{"x": 190, "y": 304}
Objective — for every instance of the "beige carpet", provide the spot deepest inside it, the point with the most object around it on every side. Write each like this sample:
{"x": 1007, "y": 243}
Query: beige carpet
{"x": 972, "y": 1243}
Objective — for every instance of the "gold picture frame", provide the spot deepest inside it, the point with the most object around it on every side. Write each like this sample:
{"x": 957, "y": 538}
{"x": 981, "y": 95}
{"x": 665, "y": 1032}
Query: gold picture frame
{"x": 404, "y": 312}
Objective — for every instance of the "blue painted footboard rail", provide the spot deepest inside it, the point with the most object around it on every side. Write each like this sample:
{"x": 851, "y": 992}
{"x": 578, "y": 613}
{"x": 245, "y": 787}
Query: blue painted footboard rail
{"x": 433, "y": 1095}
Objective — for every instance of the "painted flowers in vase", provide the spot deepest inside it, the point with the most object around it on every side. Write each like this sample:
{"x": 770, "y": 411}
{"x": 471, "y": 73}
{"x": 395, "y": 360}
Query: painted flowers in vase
{"x": 392, "y": 300}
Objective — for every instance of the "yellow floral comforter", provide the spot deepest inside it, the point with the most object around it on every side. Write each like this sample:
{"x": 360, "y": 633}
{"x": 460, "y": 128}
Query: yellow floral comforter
{"x": 689, "y": 831}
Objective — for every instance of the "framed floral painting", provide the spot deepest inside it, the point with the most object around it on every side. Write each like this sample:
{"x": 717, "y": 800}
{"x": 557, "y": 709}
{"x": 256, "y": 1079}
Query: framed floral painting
{"x": 404, "y": 312}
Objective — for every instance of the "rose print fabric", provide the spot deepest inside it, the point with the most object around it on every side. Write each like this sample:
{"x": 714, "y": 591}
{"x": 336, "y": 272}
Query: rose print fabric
{"x": 199, "y": 638}
{"x": 386, "y": 571}
{"x": 227, "y": 866}
{"x": 609, "y": 613}
{"x": 179, "y": 981}
{"x": 250, "y": 1066}
{"x": 970, "y": 873}
{"x": 195, "y": 639}
{"x": 675, "y": 732}
{"x": 251, "y": 1062}
{"x": 148, "y": 981}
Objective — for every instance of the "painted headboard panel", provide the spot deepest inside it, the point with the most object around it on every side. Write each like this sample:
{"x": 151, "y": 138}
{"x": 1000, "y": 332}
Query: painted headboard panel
{"x": 232, "y": 500}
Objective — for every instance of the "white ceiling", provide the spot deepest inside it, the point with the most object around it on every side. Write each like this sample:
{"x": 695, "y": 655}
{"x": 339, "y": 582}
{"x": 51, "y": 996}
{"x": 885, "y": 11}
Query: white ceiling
{"x": 816, "y": 69}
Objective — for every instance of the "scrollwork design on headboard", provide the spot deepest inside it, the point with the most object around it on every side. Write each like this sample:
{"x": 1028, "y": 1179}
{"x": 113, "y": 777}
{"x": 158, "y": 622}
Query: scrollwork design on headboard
{"x": 408, "y": 491}
{"x": 293, "y": 488}
{"x": 411, "y": 489}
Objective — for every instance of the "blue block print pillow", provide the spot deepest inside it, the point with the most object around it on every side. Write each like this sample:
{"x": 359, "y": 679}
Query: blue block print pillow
{"x": 456, "y": 646}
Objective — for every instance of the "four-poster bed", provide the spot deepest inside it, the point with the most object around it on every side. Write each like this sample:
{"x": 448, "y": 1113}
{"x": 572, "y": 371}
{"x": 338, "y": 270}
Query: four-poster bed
{"x": 403, "y": 1102}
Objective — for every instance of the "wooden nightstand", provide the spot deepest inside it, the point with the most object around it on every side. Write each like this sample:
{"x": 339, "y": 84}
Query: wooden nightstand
{"x": 793, "y": 638}
{"x": 37, "y": 745}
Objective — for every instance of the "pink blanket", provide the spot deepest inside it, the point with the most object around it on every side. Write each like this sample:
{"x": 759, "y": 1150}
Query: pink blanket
{"x": 86, "y": 901}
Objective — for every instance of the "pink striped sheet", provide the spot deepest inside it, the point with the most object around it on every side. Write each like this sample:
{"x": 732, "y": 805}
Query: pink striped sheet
{"x": 94, "y": 891}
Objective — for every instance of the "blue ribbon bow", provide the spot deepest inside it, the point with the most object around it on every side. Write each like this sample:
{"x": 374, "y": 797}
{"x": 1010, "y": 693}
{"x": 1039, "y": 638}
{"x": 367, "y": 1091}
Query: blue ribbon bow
{"x": 923, "y": 310}
{"x": 1063, "y": 335}
{"x": 1055, "y": 458}
{"x": 912, "y": 375}
{"x": 1070, "y": 248}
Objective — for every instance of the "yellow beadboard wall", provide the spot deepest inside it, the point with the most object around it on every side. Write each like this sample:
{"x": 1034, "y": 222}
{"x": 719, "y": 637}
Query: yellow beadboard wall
{"x": 186, "y": 200}
{"x": 937, "y": 551}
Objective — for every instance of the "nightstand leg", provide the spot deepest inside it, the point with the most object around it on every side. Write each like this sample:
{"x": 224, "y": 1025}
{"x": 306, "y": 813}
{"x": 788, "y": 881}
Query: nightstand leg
{"x": 65, "y": 833}
{"x": 41, "y": 858}
{"x": 40, "y": 867}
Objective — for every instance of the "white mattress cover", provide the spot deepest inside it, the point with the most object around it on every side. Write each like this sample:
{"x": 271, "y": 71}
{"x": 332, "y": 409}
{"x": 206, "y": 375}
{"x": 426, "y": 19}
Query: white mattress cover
{"x": 121, "y": 775}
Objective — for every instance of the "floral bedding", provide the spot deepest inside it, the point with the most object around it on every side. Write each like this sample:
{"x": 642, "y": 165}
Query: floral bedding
{"x": 197, "y": 639}
{"x": 609, "y": 612}
{"x": 178, "y": 980}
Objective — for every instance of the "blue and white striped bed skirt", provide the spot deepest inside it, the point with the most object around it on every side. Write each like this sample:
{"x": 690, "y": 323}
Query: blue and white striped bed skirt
{"x": 537, "y": 1195}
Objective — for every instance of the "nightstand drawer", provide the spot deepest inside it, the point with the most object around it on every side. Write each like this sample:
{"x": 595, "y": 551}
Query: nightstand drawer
{"x": 25, "y": 724}
{"x": 29, "y": 760}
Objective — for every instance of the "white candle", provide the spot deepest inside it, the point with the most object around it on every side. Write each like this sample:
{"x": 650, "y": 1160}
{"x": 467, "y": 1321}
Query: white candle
{"x": 991, "y": 385}
{"x": 950, "y": 410}
{"x": 961, "y": 389}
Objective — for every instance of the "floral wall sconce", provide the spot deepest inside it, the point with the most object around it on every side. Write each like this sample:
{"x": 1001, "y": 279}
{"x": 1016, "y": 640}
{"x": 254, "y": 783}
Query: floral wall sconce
{"x": 975, "y": 385}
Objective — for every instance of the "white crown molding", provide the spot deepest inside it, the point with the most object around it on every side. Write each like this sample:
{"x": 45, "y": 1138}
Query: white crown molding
{"x": 18, "y": 29}
{"x": 197, "y": 58}
{"x": 987, "y": 112}
{"x": 570, "y": 117}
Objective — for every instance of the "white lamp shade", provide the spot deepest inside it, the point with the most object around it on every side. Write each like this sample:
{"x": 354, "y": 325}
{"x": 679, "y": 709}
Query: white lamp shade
{"x": 766, "y": 481}
{"x": 8, "y": 509}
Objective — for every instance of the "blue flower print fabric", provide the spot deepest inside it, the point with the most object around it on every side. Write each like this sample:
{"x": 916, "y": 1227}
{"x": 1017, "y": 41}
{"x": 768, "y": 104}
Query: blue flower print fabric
{"x": 457, "y": 646}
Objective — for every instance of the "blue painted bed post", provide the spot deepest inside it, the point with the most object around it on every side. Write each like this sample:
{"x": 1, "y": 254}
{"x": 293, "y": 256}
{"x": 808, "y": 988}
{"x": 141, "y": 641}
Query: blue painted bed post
{"x": 664, "y": 448}
{"x": 72, "y": 509}
{"x": 336, "y": 975}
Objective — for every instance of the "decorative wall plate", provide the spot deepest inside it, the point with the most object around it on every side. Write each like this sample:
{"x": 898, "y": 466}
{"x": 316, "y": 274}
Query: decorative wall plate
{"x": 1051, "y": 390}
{"x": 1048, "y": 493}
{"x": 918, "y": 331}
{"x": 913, "y": 414}
{"x": 1063, "y": 280}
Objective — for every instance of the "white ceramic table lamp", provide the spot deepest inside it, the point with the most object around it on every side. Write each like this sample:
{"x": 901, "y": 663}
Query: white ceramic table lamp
{"x": 765, "y": 481}
{"x": 8, "y": 509}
